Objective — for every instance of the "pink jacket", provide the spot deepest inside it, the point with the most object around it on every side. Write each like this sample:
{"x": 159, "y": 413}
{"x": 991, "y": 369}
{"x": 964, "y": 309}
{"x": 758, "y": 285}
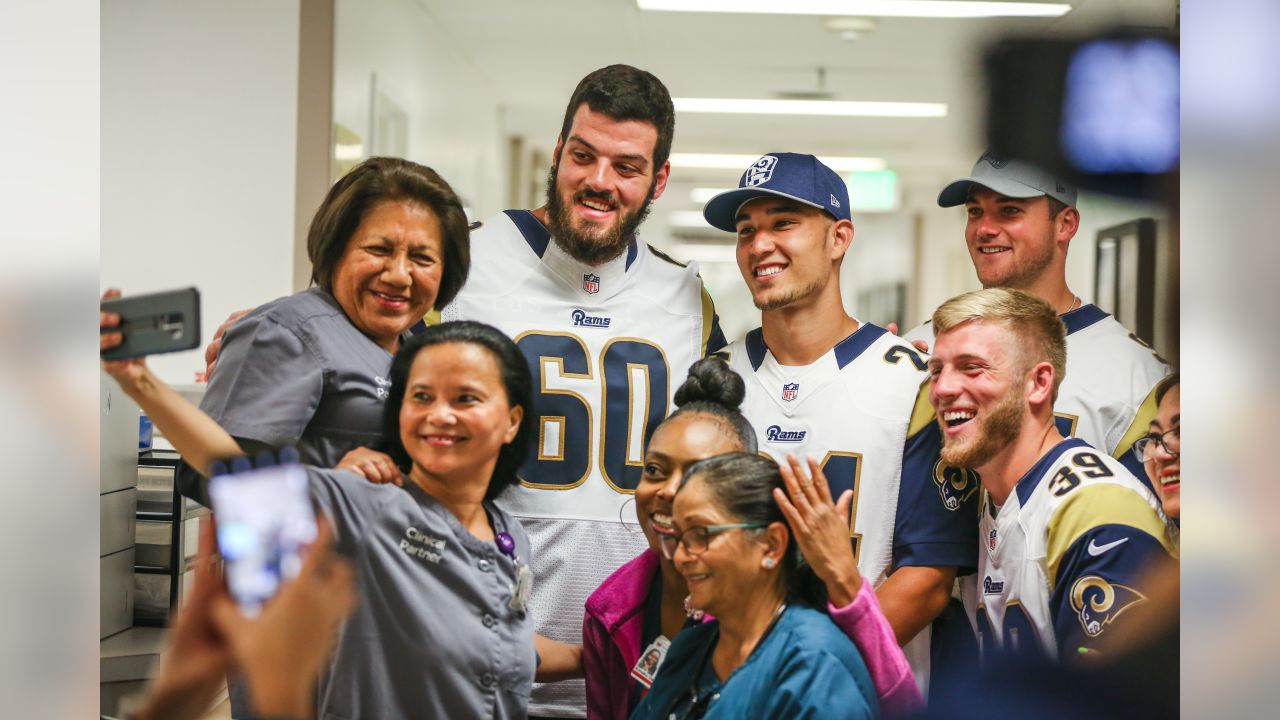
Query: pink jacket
{"x": 614, "y": 623}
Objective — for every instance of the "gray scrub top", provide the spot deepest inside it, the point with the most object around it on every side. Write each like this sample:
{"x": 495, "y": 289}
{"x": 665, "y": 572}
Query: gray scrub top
{"x": 297, "y": 372}
{"x": 433, "y": 635}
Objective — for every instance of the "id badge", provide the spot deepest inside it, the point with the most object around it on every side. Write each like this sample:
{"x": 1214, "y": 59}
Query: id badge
{"x": 524, "y": 586}
{"x": 646, "y": 668}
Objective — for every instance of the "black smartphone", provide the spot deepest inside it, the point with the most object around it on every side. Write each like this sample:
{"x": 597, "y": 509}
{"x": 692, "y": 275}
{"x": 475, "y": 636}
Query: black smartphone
{"x": 155, "y": 323}
{"x": 264, "y": 520}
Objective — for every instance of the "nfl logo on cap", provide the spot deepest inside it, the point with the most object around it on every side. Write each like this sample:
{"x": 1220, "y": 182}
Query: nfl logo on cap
{"x": 591, "y": 283}
{"x": 790, "y": 391}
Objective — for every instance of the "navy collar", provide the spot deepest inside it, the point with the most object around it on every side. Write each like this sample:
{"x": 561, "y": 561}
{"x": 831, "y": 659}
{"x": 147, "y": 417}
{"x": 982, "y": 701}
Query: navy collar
{"x": 1082, "y": 317}
{"x": 537, "y": 235}
{"x": 847, "y": 350}
{"x": 1028, "y": 482}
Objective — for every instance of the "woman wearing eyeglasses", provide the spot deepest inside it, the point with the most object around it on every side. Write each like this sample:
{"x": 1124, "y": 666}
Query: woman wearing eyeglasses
{"x": 771, "y": 652}
{"x": 1161, "y": 451}
{"x": 634, "y": 615}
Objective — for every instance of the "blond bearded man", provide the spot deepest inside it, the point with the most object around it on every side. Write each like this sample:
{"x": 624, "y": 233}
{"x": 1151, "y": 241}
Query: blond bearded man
{"x": 1067, "y": 532}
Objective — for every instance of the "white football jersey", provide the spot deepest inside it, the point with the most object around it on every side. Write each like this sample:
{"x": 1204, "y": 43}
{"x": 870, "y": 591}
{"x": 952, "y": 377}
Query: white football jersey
{"x": 863, "y": 411}
{"x": 1065, "y": 557}
{"x": 1107, "y": 397}
{"x": 607, "y": 346}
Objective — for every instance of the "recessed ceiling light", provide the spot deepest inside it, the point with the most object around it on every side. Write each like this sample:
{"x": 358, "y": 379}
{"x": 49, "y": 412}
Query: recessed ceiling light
{"x": 841, "y": 108}
{"x": 729, "y": 161}
{"x": 870, "y": 8}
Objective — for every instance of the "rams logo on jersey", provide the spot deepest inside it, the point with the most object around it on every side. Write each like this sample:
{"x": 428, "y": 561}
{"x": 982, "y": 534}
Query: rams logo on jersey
{"x": 955, "y": 484}
{"x": 1099, "y": 602}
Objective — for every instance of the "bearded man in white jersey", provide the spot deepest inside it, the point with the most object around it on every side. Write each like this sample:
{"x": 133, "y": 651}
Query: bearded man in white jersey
{"x": 1020, "y": 223}
{"x": 1068, "y": 534}
{"x": 609, "y": 327}
{"x": 848, "y": 393}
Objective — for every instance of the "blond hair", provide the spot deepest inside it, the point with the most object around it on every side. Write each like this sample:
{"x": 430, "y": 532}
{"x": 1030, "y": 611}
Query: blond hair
{"x": 1041, "y": 336}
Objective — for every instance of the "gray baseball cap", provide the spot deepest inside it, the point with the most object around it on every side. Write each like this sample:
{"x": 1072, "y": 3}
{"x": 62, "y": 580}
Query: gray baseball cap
{"x": 1009, "y": 177}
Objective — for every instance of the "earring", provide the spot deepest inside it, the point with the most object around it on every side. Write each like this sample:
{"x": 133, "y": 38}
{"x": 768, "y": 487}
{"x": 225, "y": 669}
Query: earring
{"x": 768, "y": 562}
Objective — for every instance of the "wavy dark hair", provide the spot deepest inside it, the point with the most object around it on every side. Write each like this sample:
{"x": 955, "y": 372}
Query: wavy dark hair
{"x": 714, "y": 389}
{"x": 623, "y": 92}
{"x": 742, "y": 484}
{"x": 516, "y": 380}
{"x": 376, "y": 180}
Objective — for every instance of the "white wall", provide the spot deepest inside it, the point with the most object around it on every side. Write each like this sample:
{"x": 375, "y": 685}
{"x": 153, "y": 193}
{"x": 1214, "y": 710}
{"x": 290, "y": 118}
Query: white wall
{"x": 199, "y": 125}
{"x": 452, "y": 108}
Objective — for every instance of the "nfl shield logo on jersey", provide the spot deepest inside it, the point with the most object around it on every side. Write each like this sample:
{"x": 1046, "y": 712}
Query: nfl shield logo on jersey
{"x": 991, "y": 540}
{"x": 790, "y": 391}
{"x": 591, "y": 283}
{"x": 760, "y": 172}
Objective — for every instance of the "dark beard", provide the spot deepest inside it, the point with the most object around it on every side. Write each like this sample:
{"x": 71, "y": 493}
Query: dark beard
{"x": 999, "y": 428}
{"x": 586, "y": 249}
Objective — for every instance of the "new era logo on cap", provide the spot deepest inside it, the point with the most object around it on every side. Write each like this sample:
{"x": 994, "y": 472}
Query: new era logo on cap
{"x": 834, "y": 201}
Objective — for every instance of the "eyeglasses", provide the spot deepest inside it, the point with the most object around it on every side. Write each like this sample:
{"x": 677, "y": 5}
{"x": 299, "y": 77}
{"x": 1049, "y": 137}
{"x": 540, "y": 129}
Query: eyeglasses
{"x": 1169, "y": 441}
{"x": 695, "y": 539}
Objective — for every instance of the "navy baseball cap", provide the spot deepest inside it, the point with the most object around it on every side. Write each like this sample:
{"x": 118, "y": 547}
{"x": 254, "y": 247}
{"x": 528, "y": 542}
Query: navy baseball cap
{"x": 1009, "y": 177}
{"x": 794, "y": 176}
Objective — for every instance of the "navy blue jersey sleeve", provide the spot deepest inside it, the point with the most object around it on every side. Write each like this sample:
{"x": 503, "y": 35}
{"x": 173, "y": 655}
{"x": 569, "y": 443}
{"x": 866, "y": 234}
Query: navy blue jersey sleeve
{"x": 1099, "y": 580}
{"x": 937, "y": 515}
{"x": 1101, "y": 543}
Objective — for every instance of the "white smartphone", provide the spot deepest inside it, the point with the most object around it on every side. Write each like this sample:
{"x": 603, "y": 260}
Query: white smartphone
{"x": 264, "y": 520}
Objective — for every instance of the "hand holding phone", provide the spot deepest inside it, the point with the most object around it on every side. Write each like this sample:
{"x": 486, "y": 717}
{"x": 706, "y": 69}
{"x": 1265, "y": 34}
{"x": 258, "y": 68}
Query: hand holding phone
{"x": 264, "y": 519}
{"x": 148, "y": 324}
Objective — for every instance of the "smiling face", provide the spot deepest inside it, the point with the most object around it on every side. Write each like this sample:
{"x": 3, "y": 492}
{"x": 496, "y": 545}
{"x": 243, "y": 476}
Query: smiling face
{"x": 388, "y": 277}
{"x": 1013, "y": 242}
{"x": 788, "y": 252}
{"x": 602, "y": 183}
{"x": 676, "y": 444}
{"x": 1165, "y": 468}
{"x": 456, "y": 416}
{"x": 721, "y": 577}
{"x": 978, "y": 393}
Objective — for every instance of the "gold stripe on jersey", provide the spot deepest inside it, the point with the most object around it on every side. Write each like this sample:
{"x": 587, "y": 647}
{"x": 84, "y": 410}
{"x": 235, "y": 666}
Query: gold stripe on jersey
{"x": 922, "y": 415}
{"x": 432, "y": 318}
{"x": 1091, "y": 506}
{"x": 708, "y": 316}
{"x": 1141, "y": 423}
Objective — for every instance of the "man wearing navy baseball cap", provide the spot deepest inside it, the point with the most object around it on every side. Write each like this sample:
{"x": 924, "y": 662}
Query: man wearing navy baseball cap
{"x": 1021, "y": 220}
{"x": 819, "y": 383}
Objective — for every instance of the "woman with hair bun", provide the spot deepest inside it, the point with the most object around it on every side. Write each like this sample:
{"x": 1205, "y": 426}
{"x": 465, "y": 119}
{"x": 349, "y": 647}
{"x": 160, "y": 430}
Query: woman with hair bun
{"x": 636, "y": 613}
{"x": 772, "y": 651}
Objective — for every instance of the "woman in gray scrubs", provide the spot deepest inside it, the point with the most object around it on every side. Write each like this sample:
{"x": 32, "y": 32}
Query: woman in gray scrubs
{"x": 441, "y": 629}
{"x": 389, "y": 243}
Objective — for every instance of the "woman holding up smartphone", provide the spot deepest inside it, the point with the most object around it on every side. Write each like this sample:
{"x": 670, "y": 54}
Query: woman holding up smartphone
{"x": 442, "y": 629}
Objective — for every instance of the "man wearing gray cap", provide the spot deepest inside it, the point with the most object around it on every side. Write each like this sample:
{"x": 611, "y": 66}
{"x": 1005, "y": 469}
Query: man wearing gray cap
{"x": 1021, "y": 220}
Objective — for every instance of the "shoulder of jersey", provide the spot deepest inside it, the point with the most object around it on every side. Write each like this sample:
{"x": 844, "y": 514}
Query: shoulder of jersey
{"x": 670, "y": 283}
{"x": 1086, "y": 470}
{"x": 1108, "y": 343}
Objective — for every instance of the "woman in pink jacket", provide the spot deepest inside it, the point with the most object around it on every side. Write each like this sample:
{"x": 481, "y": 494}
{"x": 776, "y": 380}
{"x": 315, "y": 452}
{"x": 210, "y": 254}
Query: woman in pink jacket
{"x": 632, "y": 617}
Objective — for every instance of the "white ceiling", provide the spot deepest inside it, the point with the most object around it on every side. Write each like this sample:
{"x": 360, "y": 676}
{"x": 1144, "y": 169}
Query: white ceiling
{"x": 533, "y": 52}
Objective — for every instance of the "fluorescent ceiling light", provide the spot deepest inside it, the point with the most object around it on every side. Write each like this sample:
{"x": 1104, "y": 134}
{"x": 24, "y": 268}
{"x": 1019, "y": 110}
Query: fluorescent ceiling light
{"x": 687, "y": 219}
{"x": 725, "y": 161}
{"x": 841, "y": 108}
{"x": 866, "y": 8}
{"x": 704, "y": 254}
{"x": 701, "y": 195}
